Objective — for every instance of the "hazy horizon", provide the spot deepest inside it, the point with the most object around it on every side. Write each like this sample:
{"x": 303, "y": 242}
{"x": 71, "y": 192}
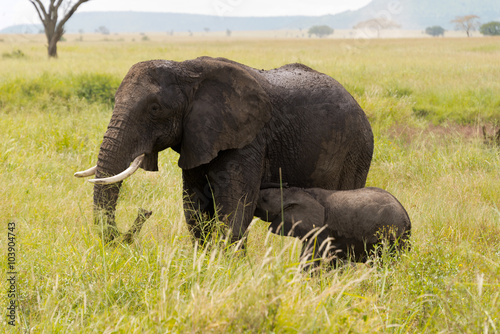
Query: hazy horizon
{"x": 13, "y": 12}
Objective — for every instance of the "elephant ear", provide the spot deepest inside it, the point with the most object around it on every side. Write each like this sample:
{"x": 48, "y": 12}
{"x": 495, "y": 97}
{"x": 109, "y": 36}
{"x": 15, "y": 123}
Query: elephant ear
{"x": 299, "y": 205}
{"x": 229, "y": 109}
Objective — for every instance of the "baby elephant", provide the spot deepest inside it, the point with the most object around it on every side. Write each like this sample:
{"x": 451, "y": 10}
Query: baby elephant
{"x": 357, "y": 220}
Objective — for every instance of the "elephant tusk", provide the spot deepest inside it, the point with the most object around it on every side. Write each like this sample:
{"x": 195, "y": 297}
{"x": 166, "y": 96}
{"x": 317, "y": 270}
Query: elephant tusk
{"x": 85, "y": 173}
{"x": 123, "y": 175}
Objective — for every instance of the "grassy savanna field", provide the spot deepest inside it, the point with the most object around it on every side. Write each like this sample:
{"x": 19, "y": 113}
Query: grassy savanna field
{"x": 426, "y": 99}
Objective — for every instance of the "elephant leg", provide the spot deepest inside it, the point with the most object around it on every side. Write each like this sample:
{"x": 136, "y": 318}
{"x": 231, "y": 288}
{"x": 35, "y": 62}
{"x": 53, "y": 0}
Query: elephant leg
{"x": 199, "y": 209}
{"x": 234, "y": 179}
{"x": 223, "y": 191}
{"x": 355, "y": 170}
{"x": 237, "y": 213}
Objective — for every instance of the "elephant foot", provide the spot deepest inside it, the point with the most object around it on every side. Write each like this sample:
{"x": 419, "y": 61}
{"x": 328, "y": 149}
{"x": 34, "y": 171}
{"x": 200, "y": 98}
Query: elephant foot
{"x": 112, "y": 235}
{"x": 109, "y": 232}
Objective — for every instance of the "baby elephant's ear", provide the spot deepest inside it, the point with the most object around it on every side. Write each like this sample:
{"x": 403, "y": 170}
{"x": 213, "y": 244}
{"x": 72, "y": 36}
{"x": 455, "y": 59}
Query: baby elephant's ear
{"x": 299, "y": 205}
{"x": 229, "y": 109}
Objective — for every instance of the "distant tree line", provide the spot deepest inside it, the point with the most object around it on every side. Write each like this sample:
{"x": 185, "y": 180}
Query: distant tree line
{"x": 468, "y": 23}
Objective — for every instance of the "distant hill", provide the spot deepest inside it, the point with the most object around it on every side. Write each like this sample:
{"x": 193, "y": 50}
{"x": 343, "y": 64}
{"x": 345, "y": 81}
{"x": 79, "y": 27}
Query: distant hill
{"x": 23, "y": 29}
{"x": 418, "y": 14}
{"x": 130, "y": 22}
{"x": 410, "y": 14}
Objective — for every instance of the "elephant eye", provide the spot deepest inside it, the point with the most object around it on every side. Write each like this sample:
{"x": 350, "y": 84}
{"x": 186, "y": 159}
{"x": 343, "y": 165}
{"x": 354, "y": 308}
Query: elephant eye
{"x": 155, "y": 107}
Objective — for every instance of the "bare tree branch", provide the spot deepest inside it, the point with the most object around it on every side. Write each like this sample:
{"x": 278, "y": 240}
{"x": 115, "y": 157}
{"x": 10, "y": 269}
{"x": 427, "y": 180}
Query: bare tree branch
{"x": 39, "y": 9}
{"x": 54, "y": 29}
{"x": 70, "y": 13}
{"x": 54, "y": 10}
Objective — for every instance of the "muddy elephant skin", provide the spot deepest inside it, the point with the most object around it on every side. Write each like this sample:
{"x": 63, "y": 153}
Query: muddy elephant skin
{"x": 356, "y": 220}
{"x": 234, "y": 127}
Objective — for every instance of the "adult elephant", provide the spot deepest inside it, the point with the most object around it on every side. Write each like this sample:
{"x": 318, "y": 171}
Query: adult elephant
{"x": 235, "y": 128}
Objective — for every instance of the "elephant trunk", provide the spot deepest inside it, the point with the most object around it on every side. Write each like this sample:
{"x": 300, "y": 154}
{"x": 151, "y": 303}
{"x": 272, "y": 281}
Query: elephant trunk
{"x": 105, "y": 199}
{"x": 114, "y": 157}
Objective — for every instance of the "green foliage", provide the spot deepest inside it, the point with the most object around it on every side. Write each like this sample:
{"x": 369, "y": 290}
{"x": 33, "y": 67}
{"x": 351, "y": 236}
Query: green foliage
{"x": 398, "y": 92}
{"x": 435, "y": 31}
{"x": 96, "y": 87}
{"x": 14, "y": 54}
{"x": 320, "y": 31}
{"x": 462, "y": 106}
{"x": 48, "y": 89}
{"x": 490, "y": 28}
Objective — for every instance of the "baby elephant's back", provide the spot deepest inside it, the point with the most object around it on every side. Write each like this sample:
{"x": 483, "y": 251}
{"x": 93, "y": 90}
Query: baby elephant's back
{"x": 365, "y": 213}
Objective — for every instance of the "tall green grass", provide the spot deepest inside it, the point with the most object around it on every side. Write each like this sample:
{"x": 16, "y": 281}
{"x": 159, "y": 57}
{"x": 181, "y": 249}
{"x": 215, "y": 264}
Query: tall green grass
{"x": 426, "y": 101}
{"x": 48, "y": 89}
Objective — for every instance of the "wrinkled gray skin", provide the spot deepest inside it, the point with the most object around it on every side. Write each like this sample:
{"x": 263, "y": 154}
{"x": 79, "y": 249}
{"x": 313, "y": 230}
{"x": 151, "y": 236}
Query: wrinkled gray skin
{"x": 234, "y": 127}
{"x": 353, "y": 218}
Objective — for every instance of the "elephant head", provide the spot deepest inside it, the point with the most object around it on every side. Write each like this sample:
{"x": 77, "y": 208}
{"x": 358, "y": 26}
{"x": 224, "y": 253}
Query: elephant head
{"x": 197, "y": 107}
{"x": 291, "y": 211}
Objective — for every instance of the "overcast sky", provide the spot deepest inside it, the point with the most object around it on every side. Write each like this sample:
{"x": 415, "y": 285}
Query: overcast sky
{"x": 22, "y": 11}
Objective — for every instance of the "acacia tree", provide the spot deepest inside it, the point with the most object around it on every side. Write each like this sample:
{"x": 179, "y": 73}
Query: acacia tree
{"x": 375, "y": 25}
{"x": 466, "y": 23}
{"x": 49, "y": 15}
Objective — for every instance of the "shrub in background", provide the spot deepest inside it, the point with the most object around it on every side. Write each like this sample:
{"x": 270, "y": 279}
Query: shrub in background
{"x": 14, "y": 54}
{"x": 435, "y": 31}
{"x": 491, "y": 28}
{"x": 50, "y": 89}
{"x": 320, "y": 31}
{"x": 96, "y": 87}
